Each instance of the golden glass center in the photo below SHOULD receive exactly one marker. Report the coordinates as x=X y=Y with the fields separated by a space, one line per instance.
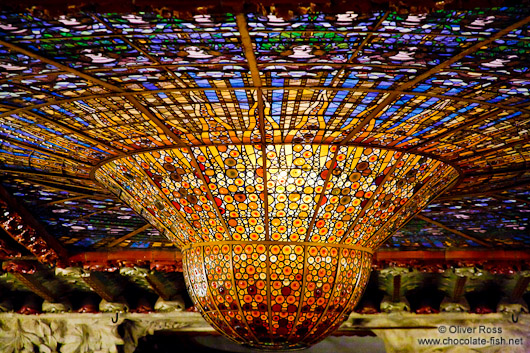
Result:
x=277 y=240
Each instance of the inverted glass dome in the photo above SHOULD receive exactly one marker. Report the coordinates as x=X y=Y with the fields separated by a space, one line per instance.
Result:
x=277 y=153
x=277 y=240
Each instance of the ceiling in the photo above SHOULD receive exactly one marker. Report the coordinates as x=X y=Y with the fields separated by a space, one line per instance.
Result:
x=80 y=88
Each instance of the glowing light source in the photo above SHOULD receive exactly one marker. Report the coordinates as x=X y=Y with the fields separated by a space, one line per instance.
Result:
x=277 y=240
x=82 y=90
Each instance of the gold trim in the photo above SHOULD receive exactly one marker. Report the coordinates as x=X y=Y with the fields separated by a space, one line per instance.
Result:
x=453 y=164
x=265 y=242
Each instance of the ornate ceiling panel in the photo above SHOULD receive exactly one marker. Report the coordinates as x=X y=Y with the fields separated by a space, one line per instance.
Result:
x=81 y=88
x=221 y=97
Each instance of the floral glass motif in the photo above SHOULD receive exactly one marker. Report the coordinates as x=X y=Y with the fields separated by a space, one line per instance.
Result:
x=277 y=240
x=335 y=131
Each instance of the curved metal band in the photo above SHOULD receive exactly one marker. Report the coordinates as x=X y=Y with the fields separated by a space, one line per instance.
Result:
x=257 y=242
x=357 y=145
